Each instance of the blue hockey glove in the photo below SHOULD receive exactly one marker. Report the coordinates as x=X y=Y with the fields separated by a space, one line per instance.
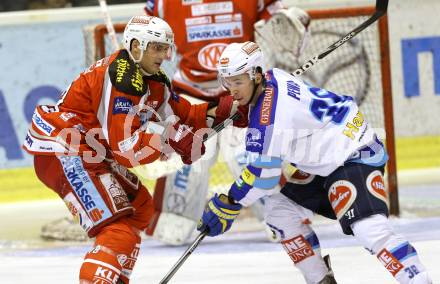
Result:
x=218 y=215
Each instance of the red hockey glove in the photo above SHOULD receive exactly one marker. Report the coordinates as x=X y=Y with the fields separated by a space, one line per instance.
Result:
x=226 y=109
x=188 y=145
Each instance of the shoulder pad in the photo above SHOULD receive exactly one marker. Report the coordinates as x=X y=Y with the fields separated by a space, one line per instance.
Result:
x=126 y=76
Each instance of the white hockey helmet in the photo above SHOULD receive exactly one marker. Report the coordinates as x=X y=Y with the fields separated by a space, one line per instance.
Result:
x=240 y=58
x=148 y=29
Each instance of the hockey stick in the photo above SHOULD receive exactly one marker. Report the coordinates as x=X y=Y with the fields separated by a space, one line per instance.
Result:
x=219 y=127
x=182 y=259
x=109 y=24
x=381 y=9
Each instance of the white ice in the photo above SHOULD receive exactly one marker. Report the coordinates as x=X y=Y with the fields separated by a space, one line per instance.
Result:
x=244 y=257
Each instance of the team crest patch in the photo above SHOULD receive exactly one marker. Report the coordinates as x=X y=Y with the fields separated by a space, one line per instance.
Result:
x=341 y=195
x=376 y=186
x=209 y=55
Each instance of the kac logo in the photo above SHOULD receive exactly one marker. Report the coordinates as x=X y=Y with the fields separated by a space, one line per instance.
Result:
x=210 y=54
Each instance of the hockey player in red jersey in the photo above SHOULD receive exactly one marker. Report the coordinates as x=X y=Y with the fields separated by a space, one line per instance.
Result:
x=117 y=114
x=203 y=29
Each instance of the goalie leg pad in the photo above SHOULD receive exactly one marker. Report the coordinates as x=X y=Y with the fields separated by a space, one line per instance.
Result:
x=393 y=251
x=179 y=203
x=174 y=229
x=113 y=256
x=285 y=217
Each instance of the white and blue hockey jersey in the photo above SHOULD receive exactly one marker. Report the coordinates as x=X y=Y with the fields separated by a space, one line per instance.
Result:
x=312 y=128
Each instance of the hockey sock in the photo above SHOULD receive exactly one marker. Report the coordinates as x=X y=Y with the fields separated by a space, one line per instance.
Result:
x=114 y=255
x=305 y=252
x=395 y=253
x=100 y=266
x=285 y=219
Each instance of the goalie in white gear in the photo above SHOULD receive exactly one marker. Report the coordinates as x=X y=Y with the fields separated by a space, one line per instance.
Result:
x=178 y=195
x=340 y=162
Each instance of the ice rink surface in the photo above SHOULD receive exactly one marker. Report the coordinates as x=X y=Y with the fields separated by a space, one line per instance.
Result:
x=236 y=257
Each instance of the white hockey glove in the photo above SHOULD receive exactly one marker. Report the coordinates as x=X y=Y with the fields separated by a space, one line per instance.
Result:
x=285 y=32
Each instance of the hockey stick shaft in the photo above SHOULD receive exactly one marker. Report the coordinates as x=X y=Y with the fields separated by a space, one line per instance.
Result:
x=219 y=127
x=109 y=24
x=381 y=9
x=182 y=259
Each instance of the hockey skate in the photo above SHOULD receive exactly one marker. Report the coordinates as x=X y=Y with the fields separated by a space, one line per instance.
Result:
x=329 y=277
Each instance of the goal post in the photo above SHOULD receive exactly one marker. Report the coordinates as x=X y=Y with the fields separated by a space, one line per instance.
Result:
x=360 y=68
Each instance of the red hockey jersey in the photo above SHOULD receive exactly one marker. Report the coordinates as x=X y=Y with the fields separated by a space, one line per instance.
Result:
x=105 y=114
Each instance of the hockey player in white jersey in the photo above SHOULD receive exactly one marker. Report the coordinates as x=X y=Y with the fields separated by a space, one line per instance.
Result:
x=341 y=163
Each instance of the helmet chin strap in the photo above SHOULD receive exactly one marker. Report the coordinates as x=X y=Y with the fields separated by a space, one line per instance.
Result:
x=253 y=98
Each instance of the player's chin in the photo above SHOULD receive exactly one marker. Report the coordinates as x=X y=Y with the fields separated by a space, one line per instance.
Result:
x=155 y=68
x=242 y=101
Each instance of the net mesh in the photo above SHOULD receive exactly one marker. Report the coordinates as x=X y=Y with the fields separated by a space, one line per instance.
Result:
x=352 y=69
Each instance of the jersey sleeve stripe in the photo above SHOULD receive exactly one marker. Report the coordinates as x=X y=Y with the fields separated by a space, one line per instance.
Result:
x=267 y=162
x=266 y=183
x=103 y=108
x=257 y=181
